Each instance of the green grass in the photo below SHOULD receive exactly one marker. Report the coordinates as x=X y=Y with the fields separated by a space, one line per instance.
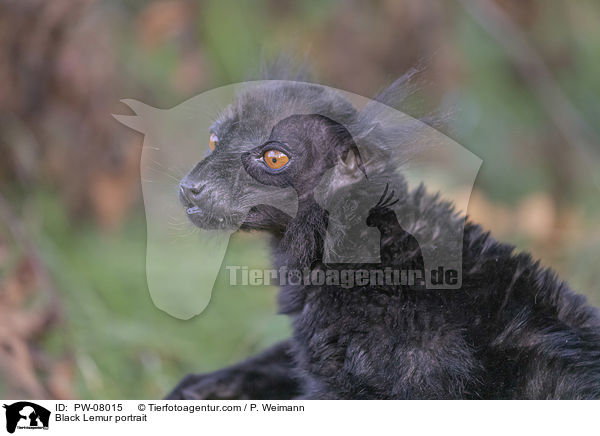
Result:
x=124 y=346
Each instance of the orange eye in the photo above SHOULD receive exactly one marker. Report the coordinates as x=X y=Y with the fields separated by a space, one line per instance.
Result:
x=275 y=159
x=213 y=140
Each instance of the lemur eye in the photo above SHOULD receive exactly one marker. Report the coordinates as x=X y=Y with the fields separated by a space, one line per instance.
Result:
x=213 y=140
x=275 y=159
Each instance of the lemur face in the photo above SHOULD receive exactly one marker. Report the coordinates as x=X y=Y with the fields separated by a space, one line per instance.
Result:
x=269 y=149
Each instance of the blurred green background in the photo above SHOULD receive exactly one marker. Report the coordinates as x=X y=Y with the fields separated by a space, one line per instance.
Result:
x=519 y=79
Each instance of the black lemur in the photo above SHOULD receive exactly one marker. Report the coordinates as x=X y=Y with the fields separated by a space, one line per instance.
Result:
x=512 y=331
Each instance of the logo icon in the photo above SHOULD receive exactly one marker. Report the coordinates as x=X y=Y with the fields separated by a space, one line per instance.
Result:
x=26 y=415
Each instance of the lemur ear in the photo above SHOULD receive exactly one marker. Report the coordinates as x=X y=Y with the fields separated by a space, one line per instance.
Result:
x=351 y=161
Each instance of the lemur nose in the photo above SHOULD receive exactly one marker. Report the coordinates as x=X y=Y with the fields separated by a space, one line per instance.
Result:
x=190 y=193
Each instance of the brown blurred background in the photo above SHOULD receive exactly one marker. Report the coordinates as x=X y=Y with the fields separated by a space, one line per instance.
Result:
x=518 y=77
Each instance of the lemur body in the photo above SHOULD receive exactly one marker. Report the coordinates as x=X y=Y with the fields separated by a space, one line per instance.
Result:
x=513 y=330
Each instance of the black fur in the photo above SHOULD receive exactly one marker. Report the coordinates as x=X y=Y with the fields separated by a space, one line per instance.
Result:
x=513 y=330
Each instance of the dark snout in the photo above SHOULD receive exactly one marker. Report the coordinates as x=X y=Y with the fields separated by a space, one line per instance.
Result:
x=190 y=193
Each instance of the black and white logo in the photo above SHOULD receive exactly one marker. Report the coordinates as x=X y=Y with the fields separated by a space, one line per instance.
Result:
x=26 y=415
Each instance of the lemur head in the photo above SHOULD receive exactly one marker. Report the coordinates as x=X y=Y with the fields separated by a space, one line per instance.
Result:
x=272 y=142
x=283 y=143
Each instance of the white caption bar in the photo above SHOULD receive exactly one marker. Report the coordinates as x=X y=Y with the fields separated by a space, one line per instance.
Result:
x=297 y=417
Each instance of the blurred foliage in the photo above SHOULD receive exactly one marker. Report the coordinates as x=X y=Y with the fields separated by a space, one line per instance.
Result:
x=72 y=231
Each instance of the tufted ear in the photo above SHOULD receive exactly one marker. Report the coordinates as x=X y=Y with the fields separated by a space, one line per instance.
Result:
x=403 y=87
x=350 y=161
